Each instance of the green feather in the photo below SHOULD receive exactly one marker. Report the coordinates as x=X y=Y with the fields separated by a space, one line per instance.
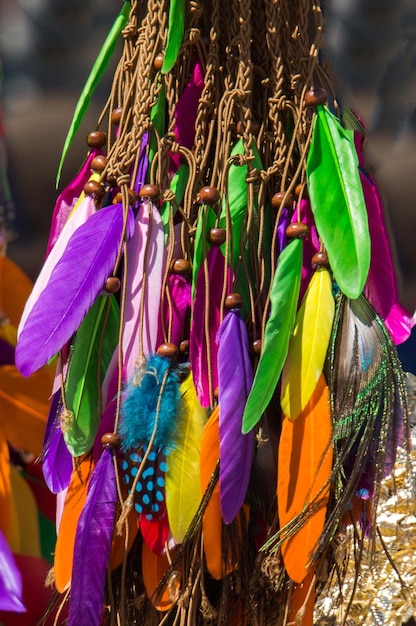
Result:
x=284 y=298
x=93 y=79
x=178 y=186
x=175 y=34
x=206 y=221
x=337 y=202
x=157 y=117
x=94 y=345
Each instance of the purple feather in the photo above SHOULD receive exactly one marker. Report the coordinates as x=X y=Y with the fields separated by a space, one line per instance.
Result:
x=143 y=164
x=56 y=458
x=75 y=282
x=283 y=223
x=93 y=545
x=235 y=377
x=68 y=198
x=10 y=580
x=6 y=353
x=180 y=295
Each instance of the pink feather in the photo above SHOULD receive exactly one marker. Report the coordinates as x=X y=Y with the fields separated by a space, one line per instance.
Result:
x=145 y=254
x=311 y=243
x=178 y=312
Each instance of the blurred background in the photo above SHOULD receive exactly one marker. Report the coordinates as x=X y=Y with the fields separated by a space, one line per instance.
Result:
x=48 y=47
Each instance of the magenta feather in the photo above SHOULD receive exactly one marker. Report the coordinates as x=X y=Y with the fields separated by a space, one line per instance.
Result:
x=235 y=377
x=10 y=580
x=83 y=212
x=185 y=113
x=107 y=420
x=381 y=288
x=56 y=458
x=75 y=282
x=203 y=349
x=145 y=255
x=311 y=243
x=67 y=199
x=176 y=313
x=93 y=545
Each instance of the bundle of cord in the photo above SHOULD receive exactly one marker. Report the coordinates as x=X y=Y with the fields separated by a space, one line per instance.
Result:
x=221 y=296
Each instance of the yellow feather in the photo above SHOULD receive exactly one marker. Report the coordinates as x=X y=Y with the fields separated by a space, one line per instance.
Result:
x=25 y=513
x=183 y=488
x=95 y=176
x=8 y=332
x=308 y=345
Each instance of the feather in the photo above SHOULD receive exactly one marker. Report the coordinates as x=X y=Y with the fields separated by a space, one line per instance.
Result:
x=24 y=406
x=145 y=256
x=15 y=288
x=155 y=530
x=279 y=327
x=74 y=503
x=206 y=221
x=311 y=243
x=143 y=166
x=212 y=518
x=381 y=288
x=6 y=352
x=178 y=187
x=83 y=212
x=158 y=120
x=183 y=490
x=25 y=516
x=68 y=198
x=93 y=545
x=10 y=581
x=5 y=488
x=302 y=602
x=303 y=477
x=235 y=377
x=176 y=309
x=175 y=34
x=337 y=202
x=93 y=79
x=56 y=458
x=63 y=304
x=308 y=345
x=205 y=323
x=94 y=346
x=154 y=567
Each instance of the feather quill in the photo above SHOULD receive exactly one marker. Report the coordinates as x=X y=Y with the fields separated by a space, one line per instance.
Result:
x=94 y=346
x=235 y=377
x=63 y=304
x=93 y=545
x=56 y=458
x=279 y=327
x=337 y=201
x=308 y=345
x=145 y=255
x=10 y=581
x=175 y=34
x=93 y=79
x=183 y=490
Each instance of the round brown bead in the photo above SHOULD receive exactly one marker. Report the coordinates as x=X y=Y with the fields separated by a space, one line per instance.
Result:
x=96 y=139
x=112 y=284
x=320 y=259
x=152 y=192
x=98 y=163
x=257 y=346
x=158 y=61
x=184 y=346
x=254 y=127
x=217 y=236
x=233 y=301
x=181 y=266
x=301 y=188
x=313 y=97
x=278 y=198
x=111 y=440
x=169 y=350
x=116 y=115
x=94 y=188
x=209 y=195
x=297 y=230
x=216 y=393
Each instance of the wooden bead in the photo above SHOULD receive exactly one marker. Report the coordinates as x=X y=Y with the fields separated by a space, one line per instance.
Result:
x=184 y=346
x=313 y=97
x=233 y=301
x=96 y=139
x=297 y=230
x=98 y=163
x=257 y=346
x=301 y=188
x=112 y=284
x=116 y=115
x=217 y=236
x=158 y=62
x=320 y=259
x=111 y=440
x=152 y=192
x=216 y=393
x=118 y=198
x=209 y=195
x=94 y=188
x=278 y=198
x=181 y=266
x=169 y=350
x=254 y=127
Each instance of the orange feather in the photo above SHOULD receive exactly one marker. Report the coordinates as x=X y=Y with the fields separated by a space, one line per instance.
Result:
x=302 y=602
x=119 y=547
x=304 y=468
x=154 y=567
x=15 y=288
x=5 y=488
x=74 y=502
